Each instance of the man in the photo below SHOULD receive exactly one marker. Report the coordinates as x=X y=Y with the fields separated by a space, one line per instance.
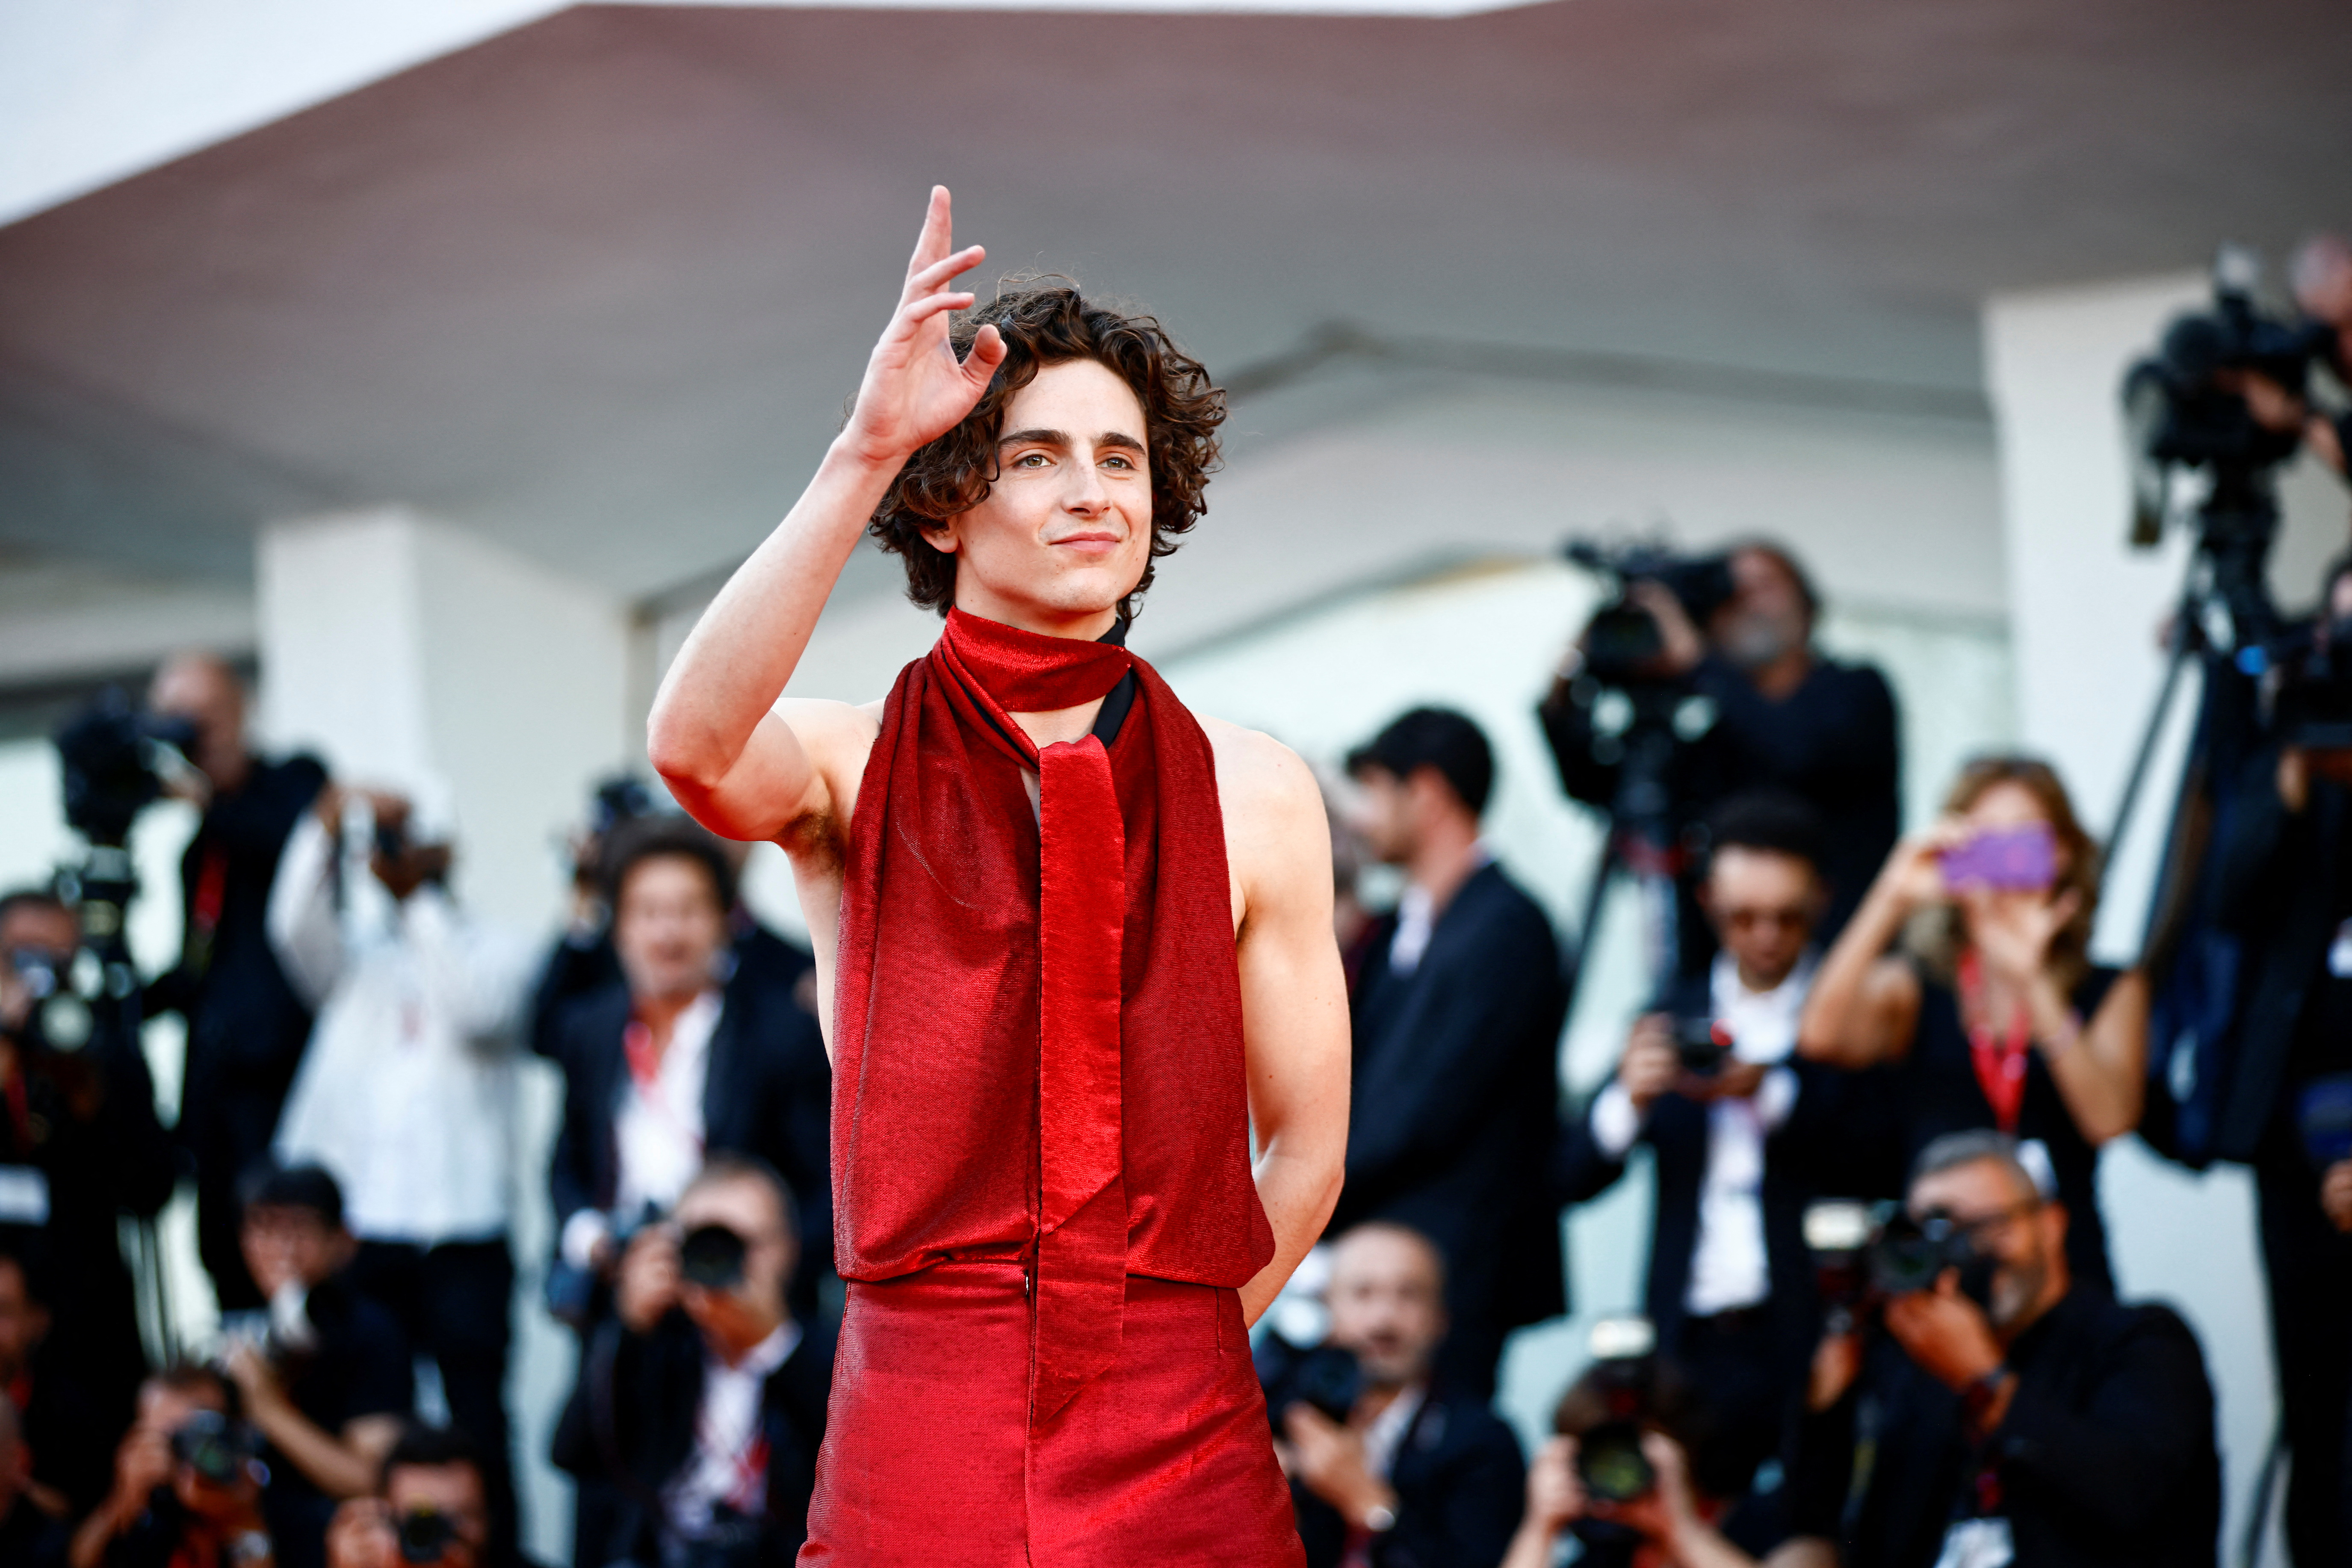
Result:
x=1743 y=1135
x=246 y=1026
x=65 y=1438
x=407 y=1092
x=1422 y=1474
x=330 y=1383
x=1075 y=948
x=1784 y=718
x=431 y=1509
x=2285 y=889
x=187 y=1490
x=683 y=1056
x=704 y=1399
x=1457 y=1012
x=80 y=1147
x=2019 y=1417
x=30 y=1535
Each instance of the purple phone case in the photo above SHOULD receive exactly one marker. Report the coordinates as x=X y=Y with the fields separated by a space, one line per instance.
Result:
x=2022 y=859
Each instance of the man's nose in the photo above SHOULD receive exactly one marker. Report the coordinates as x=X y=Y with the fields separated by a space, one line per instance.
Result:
x=1088 y=495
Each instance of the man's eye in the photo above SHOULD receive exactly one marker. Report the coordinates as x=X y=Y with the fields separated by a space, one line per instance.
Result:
x=1030 y=460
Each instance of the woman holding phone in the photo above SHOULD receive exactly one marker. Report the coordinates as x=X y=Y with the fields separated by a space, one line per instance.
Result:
x=1989 y=1010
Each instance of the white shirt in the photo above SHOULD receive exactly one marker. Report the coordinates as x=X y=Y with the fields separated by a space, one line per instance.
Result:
x=726 y=1467
x=1417 y=915
x=1385 y=1436
x=1729 y=1265
x=658 y=1134
x=406 y=1090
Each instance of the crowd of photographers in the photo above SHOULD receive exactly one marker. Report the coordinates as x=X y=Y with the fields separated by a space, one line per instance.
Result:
x=1879 y=1323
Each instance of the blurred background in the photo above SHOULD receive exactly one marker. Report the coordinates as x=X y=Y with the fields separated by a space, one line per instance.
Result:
x=437 y=360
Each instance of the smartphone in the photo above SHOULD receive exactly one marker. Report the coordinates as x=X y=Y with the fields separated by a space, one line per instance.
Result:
x=2006 y=860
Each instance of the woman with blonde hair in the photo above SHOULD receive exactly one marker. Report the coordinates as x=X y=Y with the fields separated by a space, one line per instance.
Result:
x=1967 y=971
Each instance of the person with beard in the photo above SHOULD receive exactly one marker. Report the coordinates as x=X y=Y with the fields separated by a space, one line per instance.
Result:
x=2010 y=1412
x=1785 y=718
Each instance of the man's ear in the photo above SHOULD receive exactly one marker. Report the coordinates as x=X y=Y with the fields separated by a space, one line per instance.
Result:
x=941 y=536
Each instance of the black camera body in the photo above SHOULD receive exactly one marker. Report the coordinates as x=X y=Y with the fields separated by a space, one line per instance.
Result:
x=1622 y=641
x=711 y=1255
x=1701 y=1046
x=106 y=753
x=1864 y=1253
x=59 y=1019
x=424 y=1534
x=215 y=1446
x=1325 y=1377
x=1623 y=1376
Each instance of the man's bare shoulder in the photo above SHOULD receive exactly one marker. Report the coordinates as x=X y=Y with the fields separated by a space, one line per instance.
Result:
x=1266 y=790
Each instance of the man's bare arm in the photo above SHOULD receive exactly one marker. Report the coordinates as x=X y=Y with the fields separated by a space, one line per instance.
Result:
x=1294 y=996
x=741 y=768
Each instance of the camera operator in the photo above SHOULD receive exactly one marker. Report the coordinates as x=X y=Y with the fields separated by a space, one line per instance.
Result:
x=329 y=1383
x=431 y=1509
x=408 y=1091
x=1413 y=1471
x=1994 y=1014
x=247 y=1024
x=2321 y=275
x=1456 y=1017
x=2010 y=1412
x=673 y=1062
x=2285 y=888
x=1743 y=1136
x=80 y=1147
x=1785 y=718
x=68 y=1436
x=187 y=1488
x=702 y=1403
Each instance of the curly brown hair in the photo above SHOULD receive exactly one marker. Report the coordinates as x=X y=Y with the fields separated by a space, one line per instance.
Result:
x=1044 y=321
x=1937 y=937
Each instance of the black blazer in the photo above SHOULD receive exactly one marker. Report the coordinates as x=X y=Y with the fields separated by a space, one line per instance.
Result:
x=1456 y=1094
x=631 y=1424
x=1460 y=1484
x=1839 y=1139
x=768 y=1094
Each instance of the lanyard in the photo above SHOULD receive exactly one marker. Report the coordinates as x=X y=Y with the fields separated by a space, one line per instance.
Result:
x=1999 y=1060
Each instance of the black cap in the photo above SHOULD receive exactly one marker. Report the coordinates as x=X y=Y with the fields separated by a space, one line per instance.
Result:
x=1436 y=738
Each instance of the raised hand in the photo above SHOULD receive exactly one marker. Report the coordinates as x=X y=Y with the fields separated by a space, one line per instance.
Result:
x=2011 y=932
x=915 y=388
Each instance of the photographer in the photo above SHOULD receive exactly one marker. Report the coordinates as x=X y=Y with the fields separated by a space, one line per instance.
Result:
x=702 y=1403
x=1994 y=1014
x=673 y=1061
x=2286 y=888
x=187 y=1488
x=1456 y=1017
x=1784 y=718
x=247 y=1024
x=431 y=1509
x=2010 y=1412
x=1742 y=1135
x=408 y=1091
x=80 y=1147
x=328 y=1382
x=1412 y=1473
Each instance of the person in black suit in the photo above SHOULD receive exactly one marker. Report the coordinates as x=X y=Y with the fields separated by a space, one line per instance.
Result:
x=247 y=1024
x=688 y=1053
x=1422 y=1474
x=1744 y=1137
x=702 y=1403
x=1457 y=1013
x=1783 y=717
x=2286 y=888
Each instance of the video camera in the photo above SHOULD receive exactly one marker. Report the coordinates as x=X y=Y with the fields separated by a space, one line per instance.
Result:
x=1864 y=1253
x=1622 y=641
x=113 y=759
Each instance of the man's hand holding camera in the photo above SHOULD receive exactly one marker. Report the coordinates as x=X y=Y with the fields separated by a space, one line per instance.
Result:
x=1652 y=1066
x=1951 y=1340
x=1330 y=1459
x=648 y=1284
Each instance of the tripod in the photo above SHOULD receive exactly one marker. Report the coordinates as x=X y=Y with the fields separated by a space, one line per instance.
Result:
x=1638 y=840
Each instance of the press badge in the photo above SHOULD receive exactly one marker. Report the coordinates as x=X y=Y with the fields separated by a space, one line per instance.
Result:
x=24 y=1195
x=1977 y=1543
x=2339 y=953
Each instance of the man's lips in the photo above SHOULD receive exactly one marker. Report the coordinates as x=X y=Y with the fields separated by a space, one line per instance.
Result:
x=1093 y=539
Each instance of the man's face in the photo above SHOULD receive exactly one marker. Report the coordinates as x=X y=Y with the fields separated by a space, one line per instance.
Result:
x=668 y=927
x=24 y=1323
x=1379 y=809
x=207 y=693
x=453 y=1491
x=1387 y=1305
x=289 y=1246
x=1766 y=618
x=1762 y=906
x=1065 y=530
x=2009 y=1223
x=741 y=1316
x=31 y=928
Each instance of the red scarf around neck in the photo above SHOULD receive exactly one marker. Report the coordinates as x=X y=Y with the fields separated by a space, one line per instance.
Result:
x=1038 y=1042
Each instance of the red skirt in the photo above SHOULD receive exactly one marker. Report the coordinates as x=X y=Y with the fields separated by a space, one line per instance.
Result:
x=928 y=1458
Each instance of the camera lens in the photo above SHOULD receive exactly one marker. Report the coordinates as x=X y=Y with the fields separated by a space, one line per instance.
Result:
x=711 y=1255
x=425 y=1535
